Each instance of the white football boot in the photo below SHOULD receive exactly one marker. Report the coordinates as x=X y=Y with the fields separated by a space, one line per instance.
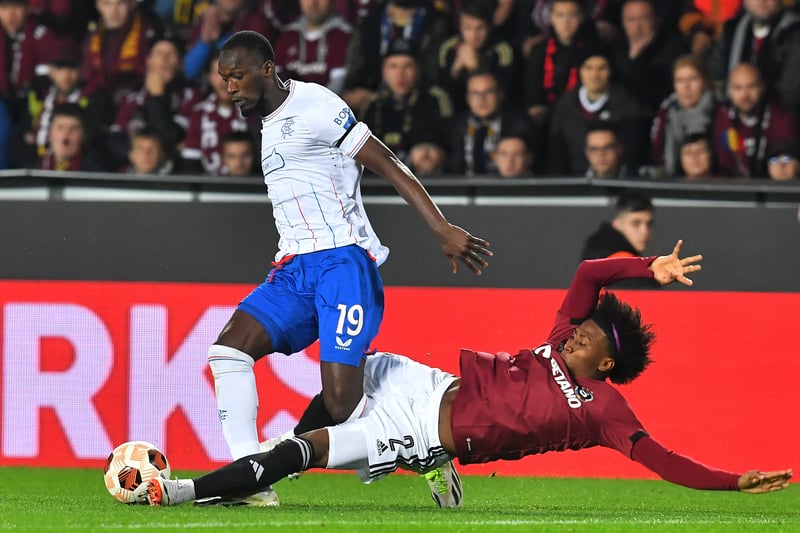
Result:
x=445 y=485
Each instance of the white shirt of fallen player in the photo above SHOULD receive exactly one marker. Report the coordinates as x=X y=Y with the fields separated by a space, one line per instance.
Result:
x=307 y=150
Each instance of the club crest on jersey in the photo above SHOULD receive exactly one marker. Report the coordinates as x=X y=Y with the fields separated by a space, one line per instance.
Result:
x=584 y=394
x=274 y=161
x=286 y=129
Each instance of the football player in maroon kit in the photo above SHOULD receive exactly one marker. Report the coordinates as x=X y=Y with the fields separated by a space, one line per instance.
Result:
x=550 y=398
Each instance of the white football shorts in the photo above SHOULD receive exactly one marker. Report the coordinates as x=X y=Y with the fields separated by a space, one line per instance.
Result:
x=400 y=428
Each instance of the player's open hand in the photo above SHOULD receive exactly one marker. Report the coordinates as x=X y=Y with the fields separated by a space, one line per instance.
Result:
x=457 y=243
x=669 y=268
x=757 y=482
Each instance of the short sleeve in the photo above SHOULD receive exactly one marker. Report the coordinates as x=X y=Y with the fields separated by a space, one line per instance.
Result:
x=334 y=124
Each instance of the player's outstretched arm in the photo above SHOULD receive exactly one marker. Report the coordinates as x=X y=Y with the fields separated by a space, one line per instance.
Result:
x=669 y=268
x=757 y=482
x=456 y=242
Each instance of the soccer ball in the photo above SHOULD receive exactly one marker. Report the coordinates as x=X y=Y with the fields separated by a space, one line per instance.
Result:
x=131 y=464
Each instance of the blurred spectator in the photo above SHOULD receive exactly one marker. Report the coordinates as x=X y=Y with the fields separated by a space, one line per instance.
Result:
x=181 y=16
x=536 y=20
x=604 y=152
x=749 y=125
x=628 y=234
x=220 y=20
x=65 y=87
x=553 y=64
x=513 y=157
x=476 y=47
x=406 y=111
x=155 y=105
x=280 y=13
x=313 y=47
x=413 y=20
x=645 y=55
x=702 y=22
x=427 y=159
x=784 y=161
x=115 y=52
x=147 y=155
x=478 y=130
x=697 y=158
x=6 y=127
x=67 y=18
x=210 y=121
x=595 y=99
x=690 y=109
x=67 y=147
x=238 y=154
x=26 y=48
x=767 y=35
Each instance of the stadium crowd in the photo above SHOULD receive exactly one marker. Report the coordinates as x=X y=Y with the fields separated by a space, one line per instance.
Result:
x=683 y=89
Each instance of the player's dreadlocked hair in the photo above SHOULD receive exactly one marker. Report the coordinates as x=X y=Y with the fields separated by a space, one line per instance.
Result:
x=253 y=42
x=628 y=339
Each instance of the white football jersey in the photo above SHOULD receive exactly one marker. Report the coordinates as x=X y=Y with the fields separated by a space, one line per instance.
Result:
x=307 y=150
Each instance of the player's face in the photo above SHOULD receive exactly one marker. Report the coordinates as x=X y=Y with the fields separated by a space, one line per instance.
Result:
x=595 y=74
x=689 y=86
x=586 y=352
x=114 y=13
x=636 y=227
x=245 y=79
x=474 y=31
x=12 y=17
x=745 y=90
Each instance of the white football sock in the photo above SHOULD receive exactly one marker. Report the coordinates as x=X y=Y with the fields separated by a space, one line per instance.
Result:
x=237 y=398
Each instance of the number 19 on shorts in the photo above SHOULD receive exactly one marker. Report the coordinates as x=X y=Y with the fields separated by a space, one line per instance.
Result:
x=354 y=318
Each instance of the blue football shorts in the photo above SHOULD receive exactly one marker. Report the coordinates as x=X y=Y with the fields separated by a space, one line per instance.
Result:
x=333 y=295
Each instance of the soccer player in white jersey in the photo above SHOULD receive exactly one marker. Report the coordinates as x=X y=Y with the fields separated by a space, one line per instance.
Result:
x=325 y=283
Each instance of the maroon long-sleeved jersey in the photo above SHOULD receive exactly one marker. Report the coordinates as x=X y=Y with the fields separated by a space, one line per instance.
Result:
x=509 y=406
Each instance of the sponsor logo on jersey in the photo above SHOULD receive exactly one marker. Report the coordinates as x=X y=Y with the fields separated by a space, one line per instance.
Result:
x=345 y=118
x=342 y=344
x=274 y=161
x=560 y=377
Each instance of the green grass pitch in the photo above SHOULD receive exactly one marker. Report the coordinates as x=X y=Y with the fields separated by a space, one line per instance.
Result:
x=39 y=499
